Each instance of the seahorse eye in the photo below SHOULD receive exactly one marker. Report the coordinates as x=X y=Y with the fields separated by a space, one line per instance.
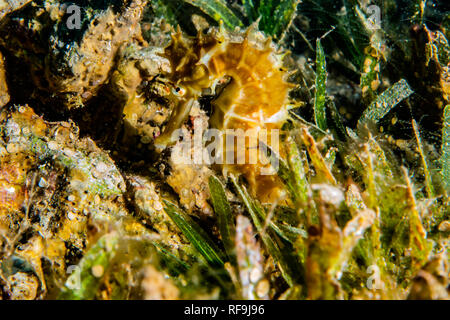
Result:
x=179 y=91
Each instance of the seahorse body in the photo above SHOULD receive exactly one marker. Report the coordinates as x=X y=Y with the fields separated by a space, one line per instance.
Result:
x=254 y=98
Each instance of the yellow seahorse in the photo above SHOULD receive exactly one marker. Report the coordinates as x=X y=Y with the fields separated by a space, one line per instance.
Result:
x=255 y=97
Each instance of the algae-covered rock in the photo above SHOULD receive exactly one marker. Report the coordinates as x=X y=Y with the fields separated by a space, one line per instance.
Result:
x=55 y=191
x=68 y=59
x=141 y=96
x=9 y=6
x=189 y=173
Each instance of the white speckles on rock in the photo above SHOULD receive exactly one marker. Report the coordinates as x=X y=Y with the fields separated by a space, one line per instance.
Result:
x=262 y=288
x=13 y=128
x=10 y=190
x=157 y=206
x=444 y=226
x=97 y=199
x=42 y=183
x=3 y=151
x=52 y=145
x=101 y=167
x=184 y=192
x=25 y=131
x=97 y=271
x=69 y=152
x=11 y=148
x=255 y=275
x=71 y=216
x=329 y=194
